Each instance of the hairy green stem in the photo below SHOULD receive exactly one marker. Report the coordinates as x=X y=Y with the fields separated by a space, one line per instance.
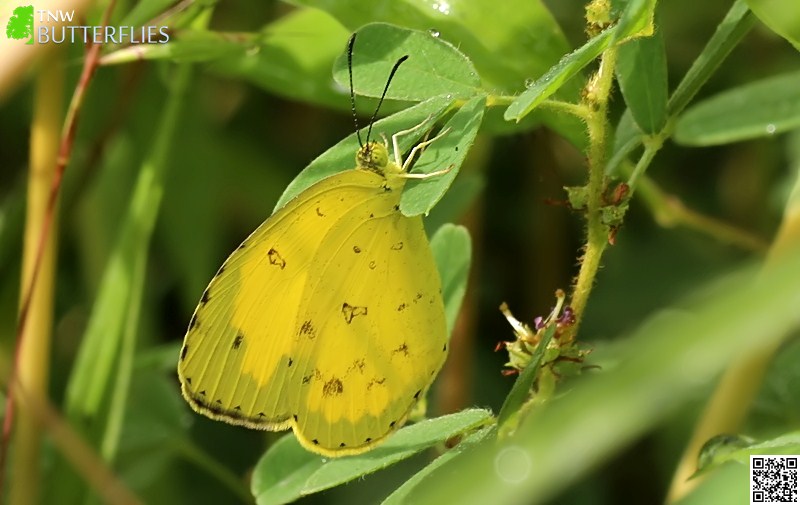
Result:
x=597 y=97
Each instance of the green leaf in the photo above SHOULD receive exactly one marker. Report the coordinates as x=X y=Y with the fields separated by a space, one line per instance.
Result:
x=627 y=137
x=738 y=21
x=287 y=472
x=637 y=17
x=781 y=16
x=642 y=75
x=401 y=495
x=434 y=67
x=788 y=443
x=521 y=389
x=557 y=76
x=760 y=109
x=447 y=152
x=293 y=58
x=452 y=250
x=342 y=156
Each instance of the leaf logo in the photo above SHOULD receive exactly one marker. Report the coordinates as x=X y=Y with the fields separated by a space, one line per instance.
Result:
x=20 y=24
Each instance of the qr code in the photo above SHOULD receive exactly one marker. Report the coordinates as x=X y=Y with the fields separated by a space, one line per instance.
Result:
x=773 y=479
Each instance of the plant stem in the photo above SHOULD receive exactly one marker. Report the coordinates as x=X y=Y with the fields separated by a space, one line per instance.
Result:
x=33 y=360
x=597 y=97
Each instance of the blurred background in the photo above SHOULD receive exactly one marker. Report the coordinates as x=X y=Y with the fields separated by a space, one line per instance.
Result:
x=240 y=141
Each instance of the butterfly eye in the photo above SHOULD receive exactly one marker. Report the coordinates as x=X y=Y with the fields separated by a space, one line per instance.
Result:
x=373 y=156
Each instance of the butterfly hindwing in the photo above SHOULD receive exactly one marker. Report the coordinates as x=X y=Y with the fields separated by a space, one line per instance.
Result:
x=374 y=304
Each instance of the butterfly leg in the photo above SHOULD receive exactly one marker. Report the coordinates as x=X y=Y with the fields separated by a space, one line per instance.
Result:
x=396 y=147
x=417 y=148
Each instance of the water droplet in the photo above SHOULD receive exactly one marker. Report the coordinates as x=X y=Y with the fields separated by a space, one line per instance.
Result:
x=434 y=32
x=442 y=6
x=770 y=129
x=529 y=82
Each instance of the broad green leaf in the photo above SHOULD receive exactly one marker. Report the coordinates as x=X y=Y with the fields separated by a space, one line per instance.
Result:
x=434 y=67
x=781 y=16
x=446 y=152
x=464 y=447
x=342 y=156
x=758 y=109
x=287 y=471
x=662 y=367
x=642 y=75
x=557 y=76
x=738 y=21
x=452 y=250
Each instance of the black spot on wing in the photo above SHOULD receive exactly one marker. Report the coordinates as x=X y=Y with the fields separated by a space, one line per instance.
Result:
x=416 y=395
x=307 y=330
x=333 y=387
x=391 y=425
x=189 y=381
x=401 y=307
x=237 y=341
x=351 y=311
x=315 y=441
x=356 y=249
x=290 y=362
x=319 y=213
x=205 y=298
x=242 y=245
x=276 y=259
x=220 y=270
x=368 y=440
x=402 y=349
x=193 y=322
x=342 y=444
x=184 y=351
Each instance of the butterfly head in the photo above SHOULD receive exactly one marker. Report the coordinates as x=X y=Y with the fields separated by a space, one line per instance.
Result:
x=372 y=156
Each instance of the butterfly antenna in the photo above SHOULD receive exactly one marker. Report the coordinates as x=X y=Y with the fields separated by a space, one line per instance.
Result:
x=352 y=93
x=383 y=95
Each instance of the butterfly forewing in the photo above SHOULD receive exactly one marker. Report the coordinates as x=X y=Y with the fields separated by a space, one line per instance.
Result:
x=234 y=362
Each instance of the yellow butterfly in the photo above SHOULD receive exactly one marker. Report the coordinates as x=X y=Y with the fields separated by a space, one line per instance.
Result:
x=328 y=319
